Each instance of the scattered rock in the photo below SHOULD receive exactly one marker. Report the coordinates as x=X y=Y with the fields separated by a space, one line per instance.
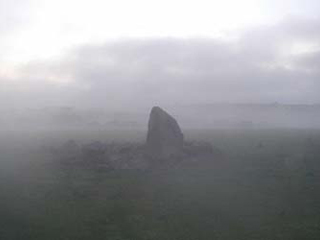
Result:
x=69 y=151
x=165 y=148
x=128 y=156
x=94 y=152
x=201 y=152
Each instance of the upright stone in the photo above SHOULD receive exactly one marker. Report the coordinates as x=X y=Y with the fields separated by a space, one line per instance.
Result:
x=164 y=137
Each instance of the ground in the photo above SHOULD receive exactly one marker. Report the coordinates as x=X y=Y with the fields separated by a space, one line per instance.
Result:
x=266 y=188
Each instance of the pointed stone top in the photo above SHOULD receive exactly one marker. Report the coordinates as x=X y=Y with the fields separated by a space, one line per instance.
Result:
x=164 y=137
x=158 y=112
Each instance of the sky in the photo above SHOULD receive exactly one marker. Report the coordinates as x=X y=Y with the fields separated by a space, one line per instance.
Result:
x=116 y=53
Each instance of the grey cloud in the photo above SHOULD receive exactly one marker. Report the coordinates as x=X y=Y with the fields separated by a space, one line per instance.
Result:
x=136 y=72
x=309 y=61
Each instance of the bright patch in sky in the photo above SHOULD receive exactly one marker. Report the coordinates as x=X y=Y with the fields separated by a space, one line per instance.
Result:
x=56 y=26
x=304 y=47
x=51 y=27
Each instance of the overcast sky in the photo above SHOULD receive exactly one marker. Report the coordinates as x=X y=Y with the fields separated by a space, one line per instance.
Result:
x=114 y=53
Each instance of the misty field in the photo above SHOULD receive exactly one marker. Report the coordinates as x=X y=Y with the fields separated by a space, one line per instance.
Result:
x=266 y=188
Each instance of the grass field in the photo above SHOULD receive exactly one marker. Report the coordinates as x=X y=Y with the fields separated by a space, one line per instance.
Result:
x=268 y=188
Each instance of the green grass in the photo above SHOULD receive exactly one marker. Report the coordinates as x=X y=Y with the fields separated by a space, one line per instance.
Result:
x=263 y=193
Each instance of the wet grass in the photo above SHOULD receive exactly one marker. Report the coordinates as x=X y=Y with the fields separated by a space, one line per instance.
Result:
x=269 y=189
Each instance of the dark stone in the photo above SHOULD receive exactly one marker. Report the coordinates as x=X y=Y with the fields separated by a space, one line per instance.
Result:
x=164 y=137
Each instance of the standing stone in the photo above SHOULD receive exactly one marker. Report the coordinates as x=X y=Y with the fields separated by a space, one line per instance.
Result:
x=164 y=137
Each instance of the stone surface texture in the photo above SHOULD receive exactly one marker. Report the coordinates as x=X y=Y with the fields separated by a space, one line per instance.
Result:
x=164 y=138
